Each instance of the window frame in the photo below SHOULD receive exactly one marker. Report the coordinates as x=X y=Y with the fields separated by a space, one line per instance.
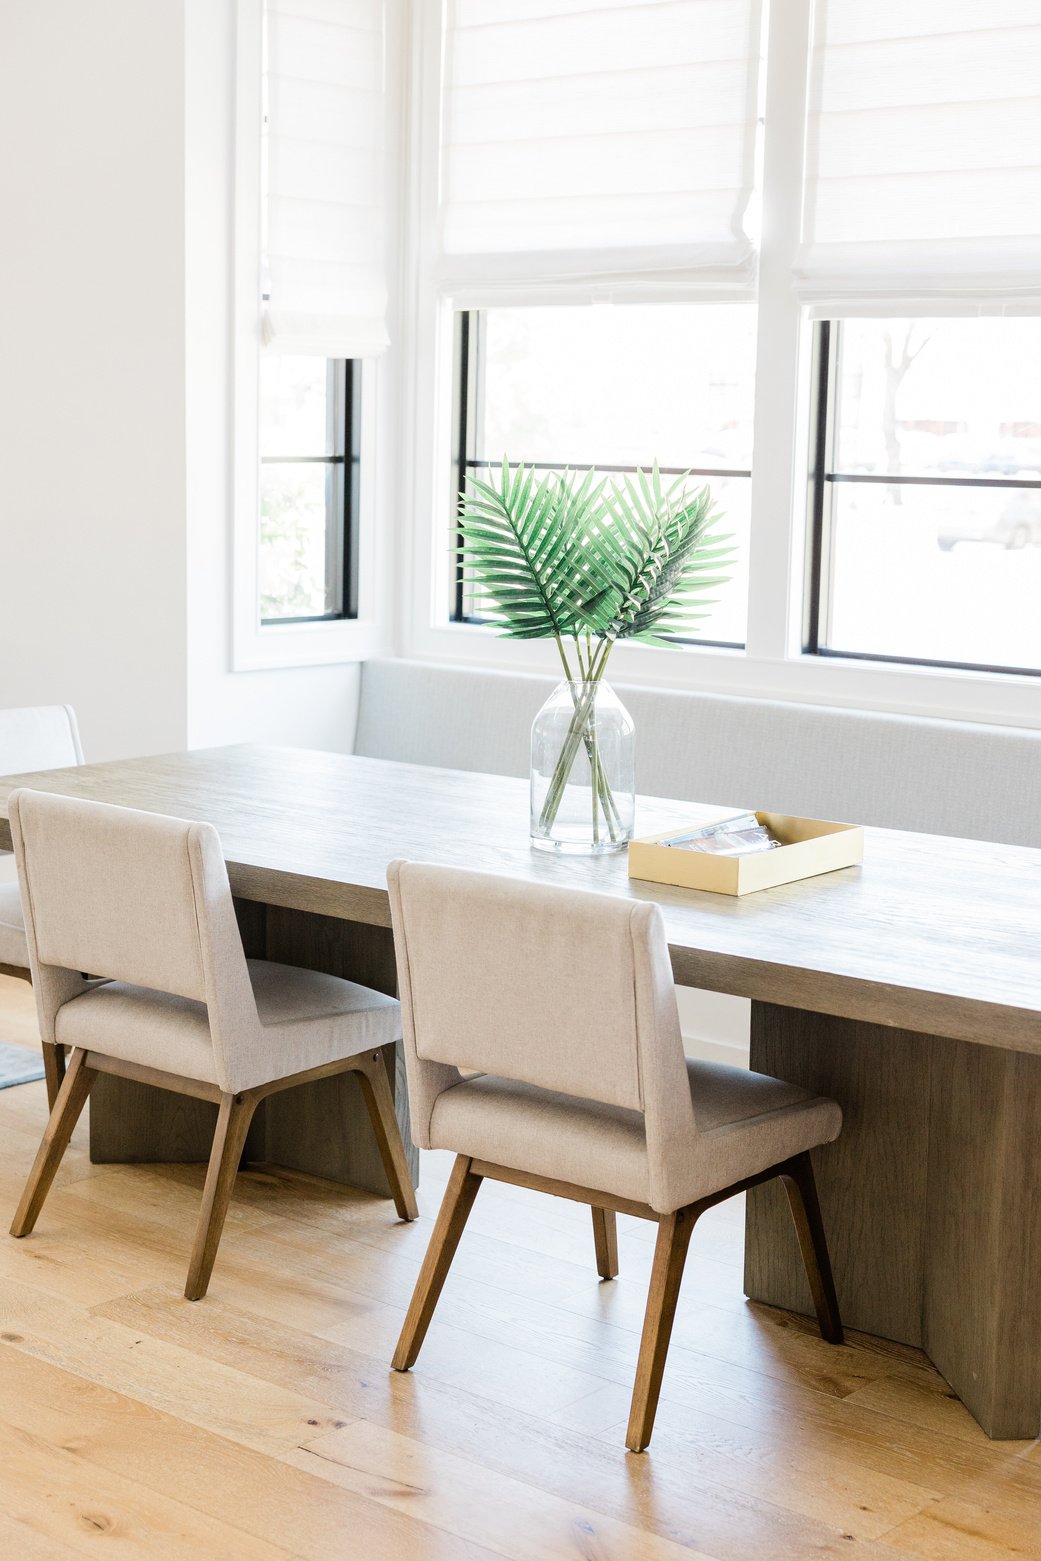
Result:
x=468 y=382
x=824 y=476
x=343 y=387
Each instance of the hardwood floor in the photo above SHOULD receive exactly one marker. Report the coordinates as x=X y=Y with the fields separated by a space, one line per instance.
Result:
x=265 y=1421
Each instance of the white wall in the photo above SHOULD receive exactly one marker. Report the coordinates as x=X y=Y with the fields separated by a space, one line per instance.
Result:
x=92 y=481
x=116 y=203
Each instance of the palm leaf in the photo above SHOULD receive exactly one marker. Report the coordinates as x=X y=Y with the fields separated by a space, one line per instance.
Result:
x=655 y=556
x=519 y=549
x=568 y=556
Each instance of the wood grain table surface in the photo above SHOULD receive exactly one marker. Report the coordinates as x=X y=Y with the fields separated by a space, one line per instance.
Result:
x=931 y=933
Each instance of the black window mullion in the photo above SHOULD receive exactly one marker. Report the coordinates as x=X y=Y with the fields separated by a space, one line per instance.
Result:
x=478 y=464
x=334 y=538
x=464 y=411
x=909 y=480
x=351 y=487
x=819 y=550
x=301 y=460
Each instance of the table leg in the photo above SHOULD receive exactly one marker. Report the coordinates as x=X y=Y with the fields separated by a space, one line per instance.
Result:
x=138 y=1124
x=321 y=1128
x=931 y=1199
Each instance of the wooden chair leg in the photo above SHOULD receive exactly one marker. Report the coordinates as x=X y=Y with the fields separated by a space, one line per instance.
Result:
x=233 y=1119
x=375 y=1088
x=53 y=1070
x=801 y=1186
x=670 y=1252
x=459 y=1196
x=605 y=1239
x=72 y=1097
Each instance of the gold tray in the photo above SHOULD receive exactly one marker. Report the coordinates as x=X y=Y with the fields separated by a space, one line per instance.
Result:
x=811 y=846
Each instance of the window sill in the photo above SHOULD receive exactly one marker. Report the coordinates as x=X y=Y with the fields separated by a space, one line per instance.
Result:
x=937 y=693
x=307 y=644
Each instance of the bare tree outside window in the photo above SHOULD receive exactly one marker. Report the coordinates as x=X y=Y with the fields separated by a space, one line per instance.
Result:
x=899 y=351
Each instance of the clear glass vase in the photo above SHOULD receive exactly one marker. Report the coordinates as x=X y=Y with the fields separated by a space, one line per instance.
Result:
x=583 y=750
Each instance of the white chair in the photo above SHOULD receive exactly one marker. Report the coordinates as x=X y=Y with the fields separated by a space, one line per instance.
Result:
x=542 y=1045
x=144 y=902
x=36 y=737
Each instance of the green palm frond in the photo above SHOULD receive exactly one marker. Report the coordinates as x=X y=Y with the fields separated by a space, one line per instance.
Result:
x=660 y=556
x=521 y=553
x=568 y=557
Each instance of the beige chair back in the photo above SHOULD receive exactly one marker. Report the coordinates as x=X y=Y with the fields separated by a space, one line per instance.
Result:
x=133 y=897
x=38 y=737
x=559 y=988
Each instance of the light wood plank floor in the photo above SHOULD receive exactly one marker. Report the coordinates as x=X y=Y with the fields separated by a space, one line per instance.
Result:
x=264 y=1422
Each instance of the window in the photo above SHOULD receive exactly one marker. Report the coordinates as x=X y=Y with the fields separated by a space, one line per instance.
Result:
x=308 y=489
x=648 y=247
x=926 y=513
x=317 y=117
x=612 y=387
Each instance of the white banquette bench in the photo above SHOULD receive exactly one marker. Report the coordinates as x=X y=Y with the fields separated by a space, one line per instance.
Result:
x=892 y=771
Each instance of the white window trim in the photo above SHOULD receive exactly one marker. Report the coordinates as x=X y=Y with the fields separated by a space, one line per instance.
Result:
x=256 y=646
x=774 y=665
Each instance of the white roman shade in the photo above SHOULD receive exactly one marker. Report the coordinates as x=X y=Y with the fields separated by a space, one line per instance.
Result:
x=324 y=179
x=923 y=157
x=576 y=136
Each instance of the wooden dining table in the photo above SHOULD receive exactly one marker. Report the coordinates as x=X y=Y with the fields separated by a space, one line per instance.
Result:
x=909 y=989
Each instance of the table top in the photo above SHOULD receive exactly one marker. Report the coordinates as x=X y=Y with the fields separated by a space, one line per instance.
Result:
x=933 y=934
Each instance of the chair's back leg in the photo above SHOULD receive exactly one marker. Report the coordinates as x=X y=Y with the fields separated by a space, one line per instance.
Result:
x=53 y=1070
x=801 y=1186
x=605 y=1239
x=233 y=1119
x=670 y=1253
x=53 y=1055
x=379 y=1102
x=459 y=1196
x=71 y=1098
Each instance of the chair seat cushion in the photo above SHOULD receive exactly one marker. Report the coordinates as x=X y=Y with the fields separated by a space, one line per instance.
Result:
x=307 y=1019
x=139 y=1025
x=287 y=994
x=13 y=948
x=748 y=1123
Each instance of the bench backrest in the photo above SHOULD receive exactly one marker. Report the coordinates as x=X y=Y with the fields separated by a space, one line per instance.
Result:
x=891 y=771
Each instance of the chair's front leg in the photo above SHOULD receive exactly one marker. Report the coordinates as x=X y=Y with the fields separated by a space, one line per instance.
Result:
x=670 y=1254
x=233 y=1119
x=71 y=1098
x=801 y=1186
x=458 y=1200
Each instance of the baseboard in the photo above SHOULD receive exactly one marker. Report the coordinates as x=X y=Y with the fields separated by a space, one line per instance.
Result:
x=702 y=1050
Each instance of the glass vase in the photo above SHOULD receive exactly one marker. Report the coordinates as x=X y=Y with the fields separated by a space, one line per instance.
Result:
x=583 y=752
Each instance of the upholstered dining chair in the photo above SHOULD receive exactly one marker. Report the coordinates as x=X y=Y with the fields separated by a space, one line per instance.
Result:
x=33 y=737
x=144 y=903
x=542 y=1045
